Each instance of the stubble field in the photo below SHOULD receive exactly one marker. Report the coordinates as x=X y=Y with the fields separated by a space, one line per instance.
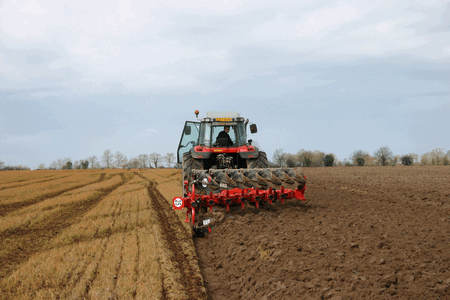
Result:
x=375 y=232
x=100 y=234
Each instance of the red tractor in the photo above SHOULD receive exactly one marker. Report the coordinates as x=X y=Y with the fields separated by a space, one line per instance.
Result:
x=221 y=168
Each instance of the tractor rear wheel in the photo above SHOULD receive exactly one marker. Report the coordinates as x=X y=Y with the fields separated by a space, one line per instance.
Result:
x=188 y=164
x=258 y=163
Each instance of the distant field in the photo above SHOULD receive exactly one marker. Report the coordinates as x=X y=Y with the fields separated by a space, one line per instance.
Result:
x=95 y=234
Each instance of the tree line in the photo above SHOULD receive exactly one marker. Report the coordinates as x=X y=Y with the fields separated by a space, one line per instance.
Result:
x=381 y=157
x=303 y=158
x=108 y=160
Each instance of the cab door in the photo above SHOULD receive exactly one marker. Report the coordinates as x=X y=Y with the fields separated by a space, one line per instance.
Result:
x=189 y=138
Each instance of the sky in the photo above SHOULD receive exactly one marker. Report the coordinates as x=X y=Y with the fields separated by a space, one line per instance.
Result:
x=80 y=77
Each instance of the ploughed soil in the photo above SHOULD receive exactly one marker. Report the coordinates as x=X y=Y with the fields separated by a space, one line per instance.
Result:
x=364 y=232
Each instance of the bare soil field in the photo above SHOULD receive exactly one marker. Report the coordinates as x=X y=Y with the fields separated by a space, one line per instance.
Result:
x=364 y=232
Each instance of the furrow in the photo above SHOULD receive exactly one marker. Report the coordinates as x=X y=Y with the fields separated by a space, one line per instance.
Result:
x=7 y=208
x=31 y=239
x=95 y=236
x=138 y=254
x=34 y=182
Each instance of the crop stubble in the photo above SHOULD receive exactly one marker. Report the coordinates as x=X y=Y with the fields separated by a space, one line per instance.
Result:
x=98 y=240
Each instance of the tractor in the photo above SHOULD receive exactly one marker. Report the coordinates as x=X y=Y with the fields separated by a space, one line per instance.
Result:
x=223 y=170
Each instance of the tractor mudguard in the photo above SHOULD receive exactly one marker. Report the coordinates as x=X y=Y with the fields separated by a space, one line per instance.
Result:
x=200 y=155
x=250 y=154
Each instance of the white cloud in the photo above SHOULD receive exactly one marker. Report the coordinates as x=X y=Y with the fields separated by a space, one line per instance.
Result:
x=31 y=7
x=148 y=46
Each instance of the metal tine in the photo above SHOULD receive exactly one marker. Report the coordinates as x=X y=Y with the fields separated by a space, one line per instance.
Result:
x=240 y=178
x=269 y=176
x=214 y=185
x=261 y=180
x=295 y=175
x=222 y=177
x=283 y=176
x=255 y=178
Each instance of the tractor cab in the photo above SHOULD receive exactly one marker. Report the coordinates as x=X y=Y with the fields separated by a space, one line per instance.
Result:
x=202 y=138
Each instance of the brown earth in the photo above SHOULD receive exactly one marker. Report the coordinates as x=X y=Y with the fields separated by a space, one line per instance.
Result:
x=364 y=232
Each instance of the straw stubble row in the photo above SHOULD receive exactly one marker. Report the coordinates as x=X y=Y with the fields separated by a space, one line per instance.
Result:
x=115 y=250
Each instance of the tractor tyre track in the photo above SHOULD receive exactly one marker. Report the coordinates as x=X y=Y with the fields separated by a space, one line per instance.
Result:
x=170 y=226
x=7 y=208
x=138 y=254
x=31 y=239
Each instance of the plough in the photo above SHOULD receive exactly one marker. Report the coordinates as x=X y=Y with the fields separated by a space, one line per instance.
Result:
x=227 y=198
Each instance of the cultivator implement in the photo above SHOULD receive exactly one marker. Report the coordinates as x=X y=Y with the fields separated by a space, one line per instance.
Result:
x=263 y=178
x=225 y=188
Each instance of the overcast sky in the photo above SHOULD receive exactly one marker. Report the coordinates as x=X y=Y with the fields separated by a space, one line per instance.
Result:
x=80 y=77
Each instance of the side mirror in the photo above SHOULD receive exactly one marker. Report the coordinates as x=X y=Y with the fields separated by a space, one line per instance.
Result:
x=253 y=128
x=187 y=130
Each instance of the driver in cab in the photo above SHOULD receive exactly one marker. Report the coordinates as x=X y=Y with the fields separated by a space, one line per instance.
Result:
x=223 y=139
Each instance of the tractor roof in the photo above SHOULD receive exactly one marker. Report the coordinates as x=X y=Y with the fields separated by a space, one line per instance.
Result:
x=222 y=114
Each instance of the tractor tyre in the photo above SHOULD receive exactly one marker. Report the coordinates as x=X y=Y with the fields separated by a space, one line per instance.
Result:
x=189 y=164
x=258 y=163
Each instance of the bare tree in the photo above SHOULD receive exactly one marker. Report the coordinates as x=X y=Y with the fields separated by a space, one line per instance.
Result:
x=2 y=164
x=434 y=157
x=92 y=161
x=305 y=158
x=291 y=160
x=76 y=164
x=446 y=160
x=279 y=158
x=155 y=157
x=143 y=159
x=133 y=163
x=359 y=157
x=53 y=166
x=59 y=163
x=383 y=155
x=437 y=156
x=317 y=158
x=107 y=158
x=120 y=160
x=425 y=159
x=40 y=167
x=168 y=158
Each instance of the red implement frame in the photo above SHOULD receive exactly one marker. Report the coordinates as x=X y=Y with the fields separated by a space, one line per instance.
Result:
x=226 y=198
